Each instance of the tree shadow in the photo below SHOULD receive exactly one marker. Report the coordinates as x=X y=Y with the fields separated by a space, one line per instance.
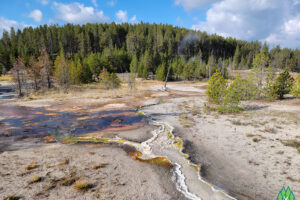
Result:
x=255 y=107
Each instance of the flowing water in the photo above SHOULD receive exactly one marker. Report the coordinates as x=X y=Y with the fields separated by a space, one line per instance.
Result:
x=164 y=148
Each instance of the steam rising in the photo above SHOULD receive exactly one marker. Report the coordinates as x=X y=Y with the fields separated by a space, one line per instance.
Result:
x=187 y=42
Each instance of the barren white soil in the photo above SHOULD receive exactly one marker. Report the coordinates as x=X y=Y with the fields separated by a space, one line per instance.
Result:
x=243 y=154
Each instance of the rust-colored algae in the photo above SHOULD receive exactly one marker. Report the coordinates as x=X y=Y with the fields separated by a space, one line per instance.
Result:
x=52 y=114
x=163 y=161
x=49 y=139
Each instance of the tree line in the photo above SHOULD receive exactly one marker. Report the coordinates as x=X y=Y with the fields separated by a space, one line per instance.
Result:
x=261 y=83
x=83 y=51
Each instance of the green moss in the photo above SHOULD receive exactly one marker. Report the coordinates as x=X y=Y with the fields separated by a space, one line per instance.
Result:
x=197 y=167
x=170 y=135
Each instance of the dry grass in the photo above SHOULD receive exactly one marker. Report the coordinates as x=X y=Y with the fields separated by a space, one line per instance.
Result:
x=64 y=162
x=31 y=166
x=270 y=130
x=100 y=165
x=67 y=181
x=292 y=143
x=34 y=179
x=115 y=93
x=82 y=186
x=196 y=111
x=6 y=78
x=186 y=121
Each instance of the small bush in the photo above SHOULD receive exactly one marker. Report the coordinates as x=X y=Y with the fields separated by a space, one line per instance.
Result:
x=109 y=80
x=67 y=181
x=82 y=186
x=255 y=140
x=227 y=110
x=228 y=98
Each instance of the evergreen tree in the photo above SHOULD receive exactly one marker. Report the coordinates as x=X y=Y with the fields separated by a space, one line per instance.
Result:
x=283 y=84
x=134 y=64
x=260 y=64
x=236 y=57
x=74 y=73
x=61 y=71
x=160 y=72
x=216 y=88
x=296 y=88
x=94 y=65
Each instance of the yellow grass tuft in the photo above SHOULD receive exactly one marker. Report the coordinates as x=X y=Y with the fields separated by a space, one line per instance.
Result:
x=34 y=179
x=82 y=185
x=100 y=165
x=68 y=181
x=31 y=166
x=64 y=162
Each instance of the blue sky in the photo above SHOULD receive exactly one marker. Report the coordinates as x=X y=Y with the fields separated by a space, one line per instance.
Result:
x=274 y=21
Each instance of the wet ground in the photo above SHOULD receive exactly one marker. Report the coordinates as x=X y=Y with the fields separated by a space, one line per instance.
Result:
x=22 y=122
x=6 y=91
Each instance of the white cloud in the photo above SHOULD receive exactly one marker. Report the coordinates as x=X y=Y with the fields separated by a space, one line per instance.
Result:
x=94 y=2
x=273 y=21
x=6 y=24
x=288 y=34
x=36 y=15
x=133 y=20
x=44 y=2
x=190 y=5
x=111 y=3
x=77 y=13
x=122 y=16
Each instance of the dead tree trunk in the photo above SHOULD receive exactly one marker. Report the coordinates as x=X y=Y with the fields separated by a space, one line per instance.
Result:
x=165 y=84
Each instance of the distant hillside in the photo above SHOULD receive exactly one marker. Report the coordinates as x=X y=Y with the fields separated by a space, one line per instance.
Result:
x=142 y=48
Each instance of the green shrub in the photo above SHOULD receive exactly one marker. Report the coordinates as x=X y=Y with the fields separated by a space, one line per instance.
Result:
x=161 y=72
x=234 y=93
x=216 y=88
x=109 y=80
x=296 y=89
x=283 y=84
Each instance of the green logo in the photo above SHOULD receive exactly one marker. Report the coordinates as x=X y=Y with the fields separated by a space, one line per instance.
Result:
x=286 y=194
